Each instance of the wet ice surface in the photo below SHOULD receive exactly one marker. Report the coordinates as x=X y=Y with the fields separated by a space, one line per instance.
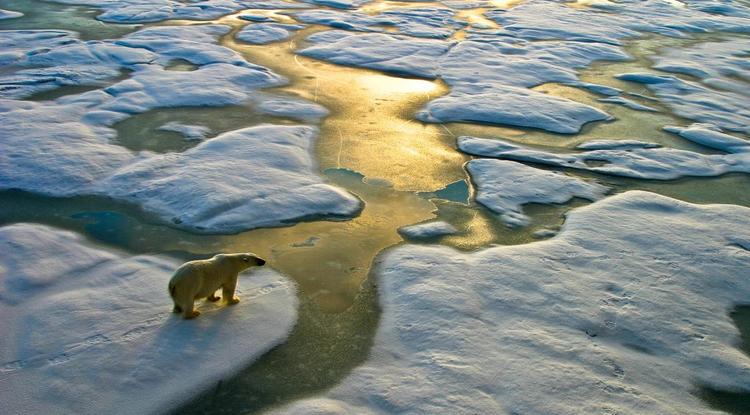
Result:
x=553 y=327
x=637 y=160
x=88 y=330
x=428 y=230
x=505 y=186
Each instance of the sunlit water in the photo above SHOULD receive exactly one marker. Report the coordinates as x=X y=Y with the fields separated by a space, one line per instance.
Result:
x=405 y=171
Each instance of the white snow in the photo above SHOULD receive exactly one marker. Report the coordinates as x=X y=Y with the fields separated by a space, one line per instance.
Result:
x=628 y=103
x=67 y=148
x=505 y=186
x=9 y=14
x=90 y=331
x=625 y=311
x=694 y=100
x=262 y=33
x=140 y=11
x=639 y=161
x=190 y=132
x=249 y=178
x=428 y=230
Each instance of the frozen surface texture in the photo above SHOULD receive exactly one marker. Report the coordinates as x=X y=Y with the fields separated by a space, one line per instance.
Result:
x=624 y=311
x=722 y=93
x=190 y=132
x=263 y=33
x=66 y=147
x=86 y=330
x=148 y=11
x=428 y=230
x=505 y=186
x=249 y=178
x=631 y=159
x=9 y=14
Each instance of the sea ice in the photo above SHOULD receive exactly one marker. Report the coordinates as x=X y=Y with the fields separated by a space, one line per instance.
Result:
x=505 y=186
x=66 y=147
x=254 y=177
x=262 y=33
x=639 y=161
x=190 y=132
x=9 y=14
x=428 y=230
x=85 y=330
x=624 y=311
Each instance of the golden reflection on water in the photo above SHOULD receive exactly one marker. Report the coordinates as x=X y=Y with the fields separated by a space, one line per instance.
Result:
x=371 y=128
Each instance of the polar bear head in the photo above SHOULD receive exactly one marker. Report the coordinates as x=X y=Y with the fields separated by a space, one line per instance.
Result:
x=244 y=261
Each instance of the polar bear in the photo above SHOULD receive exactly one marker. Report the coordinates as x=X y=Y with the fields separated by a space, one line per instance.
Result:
x=201 y=279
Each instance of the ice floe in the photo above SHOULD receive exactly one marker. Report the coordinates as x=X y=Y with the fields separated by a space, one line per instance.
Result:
x=262 y=33
x=190 y=132
x=140 y=11
x=85 y=330
x=254 y=177
x=505 y=186
x=631 y=159
x=9 y=14
x=428 y=230
x=625 y=311
x=67 y=148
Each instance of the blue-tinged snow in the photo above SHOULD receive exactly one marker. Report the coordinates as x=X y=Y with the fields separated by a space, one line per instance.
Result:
x=426 y=22
x=149 y=11
x=428 y=230
x=188 y=131
x=624 y=311
x=254 y=177
x=638 y=161
x=9 y=14
x=262 y=33
x=67 y=148
x=505 y=186
x=90 y=331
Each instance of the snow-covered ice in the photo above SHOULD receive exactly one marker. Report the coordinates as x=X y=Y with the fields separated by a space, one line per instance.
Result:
x=82 y=158
x=628 y=103
x=9 y=14
x=625 y=311
x=428 y=230
x=641 y=161
x=262 y=33
x=243 y=179
x=190 y=132
x=90 y=331
x=505 y=186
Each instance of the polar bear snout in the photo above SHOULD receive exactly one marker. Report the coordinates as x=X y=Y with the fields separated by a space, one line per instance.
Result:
x=260 y=261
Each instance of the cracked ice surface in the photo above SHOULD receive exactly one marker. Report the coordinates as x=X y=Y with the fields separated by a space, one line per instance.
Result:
x=86 y=330
x=644 y=161
x=554 y=327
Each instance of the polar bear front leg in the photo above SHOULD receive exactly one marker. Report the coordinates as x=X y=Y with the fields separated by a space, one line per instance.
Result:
x=227 y=291
x=213 y=298
x=189 y=313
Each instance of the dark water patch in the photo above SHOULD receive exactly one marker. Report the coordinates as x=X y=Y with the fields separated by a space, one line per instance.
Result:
x=43 y=15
